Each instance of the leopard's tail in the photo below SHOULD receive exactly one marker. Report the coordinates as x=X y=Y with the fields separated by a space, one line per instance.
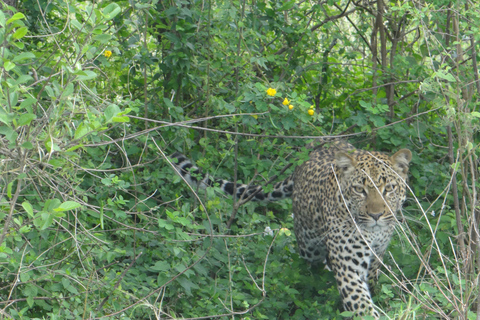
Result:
x=192 y=175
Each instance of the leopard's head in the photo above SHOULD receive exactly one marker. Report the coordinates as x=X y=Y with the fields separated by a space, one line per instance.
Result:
x=372 y=185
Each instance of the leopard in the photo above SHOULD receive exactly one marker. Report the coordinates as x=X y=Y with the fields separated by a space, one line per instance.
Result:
x=345 y=204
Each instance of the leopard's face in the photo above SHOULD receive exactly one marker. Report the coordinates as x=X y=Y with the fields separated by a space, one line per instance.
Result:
x=372 y=188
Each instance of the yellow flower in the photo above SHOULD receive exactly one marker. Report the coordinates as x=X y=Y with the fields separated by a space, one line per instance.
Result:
x=286 y=102
x=311 y=112
x=107 y=53
x=290 y=107
x=311 y=107
x=271 y=92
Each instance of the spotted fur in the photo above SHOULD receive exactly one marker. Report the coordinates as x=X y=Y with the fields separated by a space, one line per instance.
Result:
x=345 y=203
x=191 y=174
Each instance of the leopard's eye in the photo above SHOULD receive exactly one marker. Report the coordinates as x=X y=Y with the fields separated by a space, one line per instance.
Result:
x=359 y=189
x=390 y=187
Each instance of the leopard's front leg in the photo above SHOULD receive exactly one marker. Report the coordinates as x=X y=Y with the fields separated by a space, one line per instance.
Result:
x=350 y=261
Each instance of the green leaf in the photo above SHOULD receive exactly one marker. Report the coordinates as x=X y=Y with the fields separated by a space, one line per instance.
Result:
x=51 y=204
x=287 y=5
x=50 y=145
x=9 y=189
x=160 y=266
x=72 y=289
x=168 y=103
x=75 y=147
x=25 y=229
x=165 y=224
x=50 y=91
x=20 y=33
x=24 y=276
x=19 y=45
x=82 y=130
x=140 y=6
x=9 y=133
x=79 y=72
x=6 y=249
x=378 y=121
x=47 y=220
x=6 y=117
x=77 y=25
x=89 y=75
x=13 y=98
x=364 y=104
x=23 y=78
x=346 y=314
x=25 y=119
x=102 y=38
x=9 y=65
x=111 y=111
x=2 y=19
x=67 y=91
x=28 y=208
x=23 y=56
x=121 y=119
x=187 y=284
x=444 y=75
x=27 y=145
x=30 y=301
x=27 y=103
x=16 y=16
x=30 y=290
x=57 y=163
x=68 y=205
x=68 y=285
x=111 y=11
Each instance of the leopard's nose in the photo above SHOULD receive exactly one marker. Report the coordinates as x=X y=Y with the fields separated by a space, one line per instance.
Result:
x=375 y=216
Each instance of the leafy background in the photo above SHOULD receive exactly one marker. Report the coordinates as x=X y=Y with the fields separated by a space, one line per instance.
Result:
x=95 y=95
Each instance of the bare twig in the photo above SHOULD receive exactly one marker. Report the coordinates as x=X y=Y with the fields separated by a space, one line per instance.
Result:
x=119 y=281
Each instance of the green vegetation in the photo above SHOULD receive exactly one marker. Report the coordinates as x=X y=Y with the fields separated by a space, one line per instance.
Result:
x=94 y=95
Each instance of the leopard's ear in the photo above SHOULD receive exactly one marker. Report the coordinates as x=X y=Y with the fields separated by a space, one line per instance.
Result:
x=345 y=163
x=400 y=160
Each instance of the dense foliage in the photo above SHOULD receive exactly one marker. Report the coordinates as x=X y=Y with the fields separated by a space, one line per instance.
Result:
x=94 y=96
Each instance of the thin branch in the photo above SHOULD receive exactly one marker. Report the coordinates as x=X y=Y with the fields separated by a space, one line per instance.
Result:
x=340 y=15
x=119 y=280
